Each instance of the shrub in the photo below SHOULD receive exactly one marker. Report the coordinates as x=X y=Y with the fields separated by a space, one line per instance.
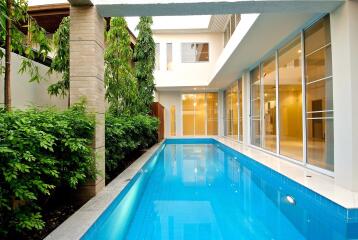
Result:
x=125 y=135
x=39 y=151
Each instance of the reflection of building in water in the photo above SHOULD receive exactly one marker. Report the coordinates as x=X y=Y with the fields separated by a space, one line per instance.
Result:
x=182 y=219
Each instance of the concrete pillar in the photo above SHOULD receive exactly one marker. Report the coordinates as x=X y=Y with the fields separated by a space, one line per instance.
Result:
x=246 y=107
x=344 y=35
x=221 y=113
x=86 y=80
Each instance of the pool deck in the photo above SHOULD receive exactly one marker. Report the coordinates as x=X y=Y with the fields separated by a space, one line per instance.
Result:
x=318 y=182
x=77 y=224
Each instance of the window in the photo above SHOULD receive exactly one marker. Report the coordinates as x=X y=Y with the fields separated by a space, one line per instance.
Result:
x=195 y=52
x=231 y=116
x=241 y=118
x=188 y=103
x=232 y=24
x=212 y=113
x=255 y=115
x=200 y=114
x=319 y=95
x=172 y=121
x=237 y=19
x=169 y=56
x=157 y=56
x=308 y=55
x=290 y=96
x=269 y=101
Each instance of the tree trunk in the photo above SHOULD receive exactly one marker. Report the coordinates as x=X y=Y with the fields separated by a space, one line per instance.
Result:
x=7 y=86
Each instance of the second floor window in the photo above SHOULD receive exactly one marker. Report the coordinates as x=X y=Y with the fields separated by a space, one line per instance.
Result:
x=169 y=56
x=157 y=56
x=194 y=52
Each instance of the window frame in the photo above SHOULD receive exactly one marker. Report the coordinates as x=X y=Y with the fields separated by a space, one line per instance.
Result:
x=196 y=43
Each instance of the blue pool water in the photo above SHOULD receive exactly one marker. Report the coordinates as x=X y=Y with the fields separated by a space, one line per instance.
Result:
x=201 y=189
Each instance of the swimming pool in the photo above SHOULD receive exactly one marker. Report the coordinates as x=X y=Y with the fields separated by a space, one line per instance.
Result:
x=202 y=189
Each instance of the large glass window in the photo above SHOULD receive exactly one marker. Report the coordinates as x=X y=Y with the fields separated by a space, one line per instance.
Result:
x=172 y=121
x=255 y=112
x=200 y=114
x=235 y=111
x=212 y=113
x=319 y=95
x=269 y=97
x=290 y=96
x=194 y=52
x=231 y=111
x=313 y=94
x=241 y=118
x=228 y=113
x=188 y=105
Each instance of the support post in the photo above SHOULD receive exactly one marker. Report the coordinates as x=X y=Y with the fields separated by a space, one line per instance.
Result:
x=87 y=80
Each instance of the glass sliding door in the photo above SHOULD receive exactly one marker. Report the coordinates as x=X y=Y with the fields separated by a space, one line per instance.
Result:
x=200 y=114
x=240 y=110
x=290 y=97
x=172 y=121
x=235 y=111
x=212 y=113
x=188 y=101
x=269 y=98
x=232 y=111
x=255 y=111
x=228 y=113
x=319 y=95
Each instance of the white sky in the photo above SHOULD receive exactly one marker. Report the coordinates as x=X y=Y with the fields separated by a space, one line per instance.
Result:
x=41 y=2
x=159 y=23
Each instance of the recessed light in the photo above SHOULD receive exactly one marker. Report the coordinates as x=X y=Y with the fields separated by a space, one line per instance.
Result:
x=290 y=200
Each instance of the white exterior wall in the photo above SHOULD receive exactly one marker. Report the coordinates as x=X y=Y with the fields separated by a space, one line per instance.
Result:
x=168 y=99
x=25 y=94
x=186 y=74
x=344 y=34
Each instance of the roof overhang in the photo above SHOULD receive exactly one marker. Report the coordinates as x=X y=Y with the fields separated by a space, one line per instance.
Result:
x=110 y=8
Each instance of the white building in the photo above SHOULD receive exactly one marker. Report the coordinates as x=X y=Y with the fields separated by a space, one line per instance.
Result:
x=279 y=82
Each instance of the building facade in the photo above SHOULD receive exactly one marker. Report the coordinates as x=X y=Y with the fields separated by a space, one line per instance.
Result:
x=280 y=83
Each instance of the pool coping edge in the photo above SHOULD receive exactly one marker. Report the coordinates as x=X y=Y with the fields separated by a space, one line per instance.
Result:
x=74 y=227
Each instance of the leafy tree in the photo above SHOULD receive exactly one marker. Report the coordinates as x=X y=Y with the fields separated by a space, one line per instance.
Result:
x=13 y=39
x=144 y=56
x=121 y=85
x=61 y=61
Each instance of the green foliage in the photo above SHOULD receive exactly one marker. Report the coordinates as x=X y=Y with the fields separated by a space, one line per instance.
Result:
x=21 y=43
x=125 y=135
x=121 y=84
x=144 y=56
x=39 y=151
x=61 y=61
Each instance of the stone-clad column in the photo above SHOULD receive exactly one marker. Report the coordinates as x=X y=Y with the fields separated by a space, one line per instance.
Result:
x=86 y=79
